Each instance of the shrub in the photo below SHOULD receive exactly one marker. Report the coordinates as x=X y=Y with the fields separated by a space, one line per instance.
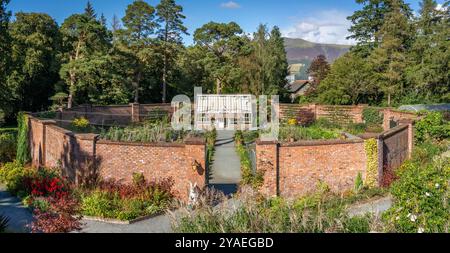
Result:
x=356 y=128
x=249 y=177
x=326 y=123
x=315 y=213
x=433 y=126
x=359 y=184
x=111 y=199
x=371 y=149
x=372 y=116
x=305 y=117
x=420 y=198
x=14 y=176
x=357 y=224
x=23 y=150
x=97 y=203
x=59 y=216
x=81 y=125
x=149 y=131
x=7 y=147
x=292 y=122
x=306 y=133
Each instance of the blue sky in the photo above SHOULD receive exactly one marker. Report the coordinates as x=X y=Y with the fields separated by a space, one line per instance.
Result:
x=321 y=21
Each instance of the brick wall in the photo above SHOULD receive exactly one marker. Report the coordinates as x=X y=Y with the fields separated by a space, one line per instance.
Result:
x=155 y=161
x=52 y=146
x=114 y=114
x=341 y=114
x=392 y=117
x=297 y=168
x=395 y=147
x=294 y=169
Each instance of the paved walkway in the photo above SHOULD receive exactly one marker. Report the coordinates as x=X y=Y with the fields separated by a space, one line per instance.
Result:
x=159 y=224
x=375 y=207
x=226 y=168
x=19 y=215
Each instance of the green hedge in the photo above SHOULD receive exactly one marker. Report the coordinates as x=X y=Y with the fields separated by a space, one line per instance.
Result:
x=23 y=150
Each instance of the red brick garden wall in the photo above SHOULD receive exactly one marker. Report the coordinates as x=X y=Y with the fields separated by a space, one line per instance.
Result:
x=299 y=167
x=346 y=114
x=156 y=161
x=52 y=146
x=114 y=114
x=294 y=169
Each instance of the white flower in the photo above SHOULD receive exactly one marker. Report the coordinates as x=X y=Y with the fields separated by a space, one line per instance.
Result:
x=437 y=186
x=397 y=218
x=413 y=218
x=428 y=194
x=421 y=230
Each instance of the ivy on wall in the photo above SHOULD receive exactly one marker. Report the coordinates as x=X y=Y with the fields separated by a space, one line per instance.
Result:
x=371 y=148
x=23 y=150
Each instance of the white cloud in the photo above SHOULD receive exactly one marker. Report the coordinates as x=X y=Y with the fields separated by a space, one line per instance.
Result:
x=230 y=5
x=330 y=26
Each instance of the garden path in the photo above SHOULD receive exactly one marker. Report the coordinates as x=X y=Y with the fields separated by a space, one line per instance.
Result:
x=19 y=216
x=225 y=172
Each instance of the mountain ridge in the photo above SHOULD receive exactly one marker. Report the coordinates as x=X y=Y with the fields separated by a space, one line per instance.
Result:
x=303 y=51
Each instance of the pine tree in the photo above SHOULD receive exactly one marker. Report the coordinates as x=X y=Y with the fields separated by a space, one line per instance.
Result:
x=367 y=23
x=389 y=59
x=170 y=18
x=103 y=20
x=84 y=40
x=428 y=55
x=89 y=11
x=278 y=69
x=224 y=44
x=140 y=25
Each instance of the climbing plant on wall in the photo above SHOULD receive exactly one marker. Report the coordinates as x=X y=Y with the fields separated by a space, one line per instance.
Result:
x=371 y=149
x=23 y=151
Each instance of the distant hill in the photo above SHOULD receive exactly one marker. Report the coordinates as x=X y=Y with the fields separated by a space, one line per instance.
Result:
x=302 y=51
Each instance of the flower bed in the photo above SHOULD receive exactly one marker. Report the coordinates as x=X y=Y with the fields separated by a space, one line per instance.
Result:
x=148 y=131
x=59 y=205
x=115 y=200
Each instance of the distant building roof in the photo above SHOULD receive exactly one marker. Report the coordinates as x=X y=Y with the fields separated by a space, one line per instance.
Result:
x=295 y=68
x=297 y=85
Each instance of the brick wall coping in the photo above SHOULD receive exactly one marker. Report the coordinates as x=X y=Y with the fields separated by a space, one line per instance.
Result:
x=61 y=130
x=309 y=143
x=393 y=131
x=343 y=106
x=319 y=143
x=189 y=141
x=143 y=144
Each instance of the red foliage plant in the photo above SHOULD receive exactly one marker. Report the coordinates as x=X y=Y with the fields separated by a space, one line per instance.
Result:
x=142 y=189
x=388 y=177
x=60 y=218
x=305 y=117
x=45 y=184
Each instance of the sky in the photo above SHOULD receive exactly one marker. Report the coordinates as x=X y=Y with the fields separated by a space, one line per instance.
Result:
x=321 y=21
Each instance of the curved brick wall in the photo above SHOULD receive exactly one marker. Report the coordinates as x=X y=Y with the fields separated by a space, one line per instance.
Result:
x=52 y=146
